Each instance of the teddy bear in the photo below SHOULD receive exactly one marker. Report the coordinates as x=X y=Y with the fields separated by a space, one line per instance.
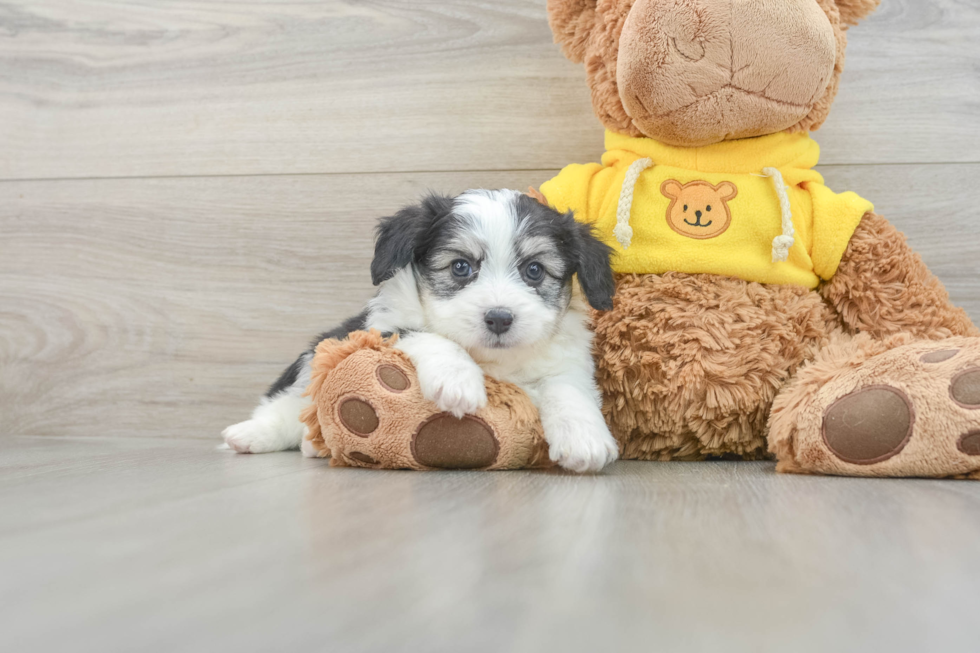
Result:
x=757 y=312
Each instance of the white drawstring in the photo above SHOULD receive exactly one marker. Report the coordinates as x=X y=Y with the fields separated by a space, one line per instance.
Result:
x=782 y=244
x=623 y=231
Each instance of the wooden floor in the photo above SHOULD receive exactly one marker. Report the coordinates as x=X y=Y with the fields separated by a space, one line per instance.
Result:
x=150 y=544
x=187 y=193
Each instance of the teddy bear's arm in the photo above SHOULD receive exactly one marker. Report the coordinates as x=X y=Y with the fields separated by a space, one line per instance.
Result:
x=882 y=287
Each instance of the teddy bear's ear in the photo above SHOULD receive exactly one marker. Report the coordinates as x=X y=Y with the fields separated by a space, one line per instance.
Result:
x=851 y=11
x=572 y=22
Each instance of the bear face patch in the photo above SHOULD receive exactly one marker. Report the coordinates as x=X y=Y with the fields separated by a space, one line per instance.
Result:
x=698 y=209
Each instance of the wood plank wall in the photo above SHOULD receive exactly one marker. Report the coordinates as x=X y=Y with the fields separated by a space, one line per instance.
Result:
x=188 y=190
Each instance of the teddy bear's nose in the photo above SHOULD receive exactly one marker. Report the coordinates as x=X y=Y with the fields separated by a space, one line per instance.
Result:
x=699 y=72
x=698 y=213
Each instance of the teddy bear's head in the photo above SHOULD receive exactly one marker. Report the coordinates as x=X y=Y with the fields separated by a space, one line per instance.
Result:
x=697 y=72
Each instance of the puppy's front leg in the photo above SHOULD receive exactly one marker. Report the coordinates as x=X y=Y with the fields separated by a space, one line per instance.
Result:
x=448 y=376
x=577 y=435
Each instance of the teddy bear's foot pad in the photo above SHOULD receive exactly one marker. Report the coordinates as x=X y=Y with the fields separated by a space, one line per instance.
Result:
x=965 y=389
x=869 y=425
x=445 y=442
x=970 y=444
x=910 y=411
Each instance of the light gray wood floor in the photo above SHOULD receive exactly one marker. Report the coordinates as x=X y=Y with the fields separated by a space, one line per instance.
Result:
x=148 y=544
x=187 y=194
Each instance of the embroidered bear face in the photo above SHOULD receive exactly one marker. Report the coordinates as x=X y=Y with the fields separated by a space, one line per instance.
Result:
x=698 y=209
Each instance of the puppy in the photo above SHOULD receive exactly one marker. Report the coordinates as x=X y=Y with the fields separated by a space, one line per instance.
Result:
x=483 y=283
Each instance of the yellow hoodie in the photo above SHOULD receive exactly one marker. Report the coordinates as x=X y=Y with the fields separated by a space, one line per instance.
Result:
x=753 y=208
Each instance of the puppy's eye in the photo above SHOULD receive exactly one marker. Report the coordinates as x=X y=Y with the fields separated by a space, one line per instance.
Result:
x=461 y=268
x=685 y=208
x=534 y=271
x=709 y=207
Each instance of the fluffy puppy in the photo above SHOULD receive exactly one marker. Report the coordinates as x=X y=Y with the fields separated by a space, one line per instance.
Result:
x=483 y=283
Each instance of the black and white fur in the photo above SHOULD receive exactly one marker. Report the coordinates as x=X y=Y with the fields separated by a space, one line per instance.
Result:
x=483 y=283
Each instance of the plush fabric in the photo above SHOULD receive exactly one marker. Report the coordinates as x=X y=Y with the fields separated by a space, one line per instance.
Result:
x=367 y=411
x=883 y=288
x=663 y=36
x=918 y=429
x=851 y=11
x=698 y=72
x=824 y=221
x=863 y=367
x=689 y=365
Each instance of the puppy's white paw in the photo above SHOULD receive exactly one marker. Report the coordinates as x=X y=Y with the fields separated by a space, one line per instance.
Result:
x=455 y=387
x=308 y=450
x=252 y=436
x=581 y=444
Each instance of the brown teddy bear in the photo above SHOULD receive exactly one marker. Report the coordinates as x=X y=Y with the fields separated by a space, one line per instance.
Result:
x=757 y=312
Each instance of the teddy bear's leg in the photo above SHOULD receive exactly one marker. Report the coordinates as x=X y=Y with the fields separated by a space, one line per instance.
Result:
x=900 y=398
x=882 y=288
x=368 y=411
x=892 y=407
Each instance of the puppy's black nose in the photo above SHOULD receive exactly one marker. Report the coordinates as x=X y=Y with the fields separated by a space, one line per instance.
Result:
x=498 y=320
x=698 y=213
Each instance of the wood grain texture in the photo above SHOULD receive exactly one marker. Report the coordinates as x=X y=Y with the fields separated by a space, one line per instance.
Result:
x=101 y=88
x=209 y=551
x=208 y=173
x=164 y=307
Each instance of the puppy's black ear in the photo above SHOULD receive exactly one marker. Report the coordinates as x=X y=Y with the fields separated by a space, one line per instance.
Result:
x=400 y=237
x=594 y=270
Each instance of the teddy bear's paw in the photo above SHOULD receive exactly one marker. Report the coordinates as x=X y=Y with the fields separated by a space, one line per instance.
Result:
x=370 y=411
x=385 y=422
x=440 y=441
x=911 y=411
